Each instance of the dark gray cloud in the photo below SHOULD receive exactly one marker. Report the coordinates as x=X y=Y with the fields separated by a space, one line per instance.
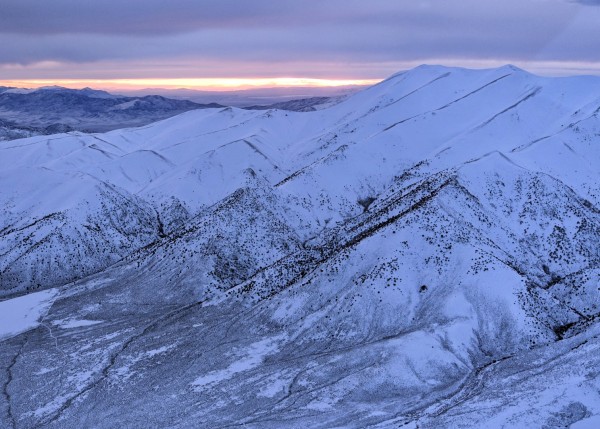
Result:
x=120 y=17
x=156 y=17
x=286 y=35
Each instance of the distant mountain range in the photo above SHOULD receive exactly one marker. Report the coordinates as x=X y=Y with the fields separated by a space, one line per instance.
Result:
x=50 y=110
x=249 y=97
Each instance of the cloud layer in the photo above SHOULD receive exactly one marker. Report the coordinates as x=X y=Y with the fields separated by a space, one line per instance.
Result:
x=70 y=38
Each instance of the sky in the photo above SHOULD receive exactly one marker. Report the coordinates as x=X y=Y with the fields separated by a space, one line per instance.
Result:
x=224 y=44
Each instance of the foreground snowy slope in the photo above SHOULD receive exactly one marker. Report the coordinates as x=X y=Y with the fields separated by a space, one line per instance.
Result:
x=425 y=253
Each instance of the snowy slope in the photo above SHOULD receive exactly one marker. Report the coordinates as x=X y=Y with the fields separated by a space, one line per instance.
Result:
x=424 y=253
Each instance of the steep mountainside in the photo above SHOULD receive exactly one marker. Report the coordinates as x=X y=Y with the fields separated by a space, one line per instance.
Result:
x=425 y=253
x=51 y=110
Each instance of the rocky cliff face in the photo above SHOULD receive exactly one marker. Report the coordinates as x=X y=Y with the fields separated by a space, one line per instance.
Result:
x=423 y=254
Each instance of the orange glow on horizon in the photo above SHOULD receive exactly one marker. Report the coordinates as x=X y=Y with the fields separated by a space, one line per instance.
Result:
x=210 y=84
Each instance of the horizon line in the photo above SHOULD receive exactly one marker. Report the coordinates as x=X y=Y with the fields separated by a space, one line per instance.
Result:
x=201 y=84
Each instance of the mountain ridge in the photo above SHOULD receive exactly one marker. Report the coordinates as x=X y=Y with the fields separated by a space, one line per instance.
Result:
x=422 y=253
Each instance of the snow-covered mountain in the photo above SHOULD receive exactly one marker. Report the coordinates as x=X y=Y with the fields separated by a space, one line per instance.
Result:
x=425 y=253
x=301 y=105
x=50 y=110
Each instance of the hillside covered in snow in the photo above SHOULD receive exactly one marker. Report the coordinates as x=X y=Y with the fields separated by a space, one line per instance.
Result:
x=424 y=253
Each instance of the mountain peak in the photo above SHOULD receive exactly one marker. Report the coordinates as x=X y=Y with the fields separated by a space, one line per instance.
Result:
x=52 y=88
x=513 y=68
